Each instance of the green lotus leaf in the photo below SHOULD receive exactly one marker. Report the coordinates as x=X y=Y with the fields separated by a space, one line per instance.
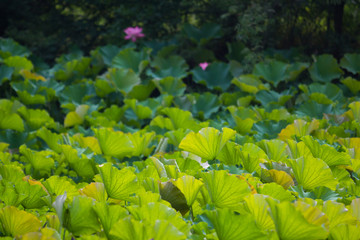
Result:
x=207 y=143
x=171 y=193
x=109 y=215
x=76 y=117
x=170 y=85
x=291 y=224
x=141 y=143
x=175 y=136
x=205 y=105
x=252 y=155
x=34 y=191
x=351 y=62
x=325 y=69
x=299 y=128
x=273 y=71
x=123 y=79
x=268 y=98
x=275 y=149
x=326 y=153
x=230 y=226
x=237 y=51
x=45 y=233
x=88 y=142
x=354 y=113
x=52 y=140
x=189 y=166
x=103 y=88
x=56 y=186
x=164 y=230
x=82 y=219
x=249 y=83
x=5 y=73
x=129 y=229
x=145 y=197
x=17 y=222
x=268 y=129
x=36 y=118
x=337 y=214
x=230 y=154
x=282 y=178
x=313 y=172
x=9 y=47
x=176 y=118
x=352 y=84
x=19 y=63
x=40 y=161
x=276 y=191
x=11 y=121
x=108 y=52
x=345 y=231
x=8 y=194
x=173 y=66
x=190 y=187
x=295 y=69
x=77 y=93
x=131 y=59
x=71 y=69
x=140 y=111
x=12 y=173
x=226 y=191
x=95 y=190
x=331 y=91
x=152 y=212
x=257 y=206
x=142 y=92
x=201 y=35
x=216 y=76
x=113 y=143
x=119 y=184
x=30 y=99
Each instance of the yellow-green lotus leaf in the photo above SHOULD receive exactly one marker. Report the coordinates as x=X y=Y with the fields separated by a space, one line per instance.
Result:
x=299 y=128
x=114 y=143
x=345 y=232
x=313 y=172
x=355 y=208
x=16 y=222
x=95 y=190
x=190 y=187
x=226 y=191
x=337 y=214
x=290 y=224
x=207 y=143
x=76 y=117
x=119 y=184
x=282 y=178
x=231 y=226
x=44 y=234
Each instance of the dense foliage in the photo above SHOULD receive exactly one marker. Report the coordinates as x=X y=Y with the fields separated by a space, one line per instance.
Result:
x=116 y=145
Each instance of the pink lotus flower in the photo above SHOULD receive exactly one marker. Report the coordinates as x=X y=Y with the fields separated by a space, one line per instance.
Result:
x=204 y=65
x=133 y=33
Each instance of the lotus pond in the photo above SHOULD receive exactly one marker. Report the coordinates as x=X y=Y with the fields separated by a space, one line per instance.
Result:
x=134 y=143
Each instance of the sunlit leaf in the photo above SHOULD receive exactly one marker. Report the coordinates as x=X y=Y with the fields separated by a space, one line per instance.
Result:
x=190 y=187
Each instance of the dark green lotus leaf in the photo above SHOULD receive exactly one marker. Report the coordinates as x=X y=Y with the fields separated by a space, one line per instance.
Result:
x=268 y=129
x=273 y=71
x=314 y=109
x=123 y=79
x=206 y=32
x=141 y=92
x=296 y=69
x=216 y=76
x=351 y=62
x=5 y=73
x=77 y=93
x=174 y=66
x=325 y=69
x=205 y=105
x=9 y=47
x=267 y=98
x=14 y=138
x=33 y=192
x=174 y=196
x=331 y=91
x=108 y=53
x=170 y=85
x=129 y=58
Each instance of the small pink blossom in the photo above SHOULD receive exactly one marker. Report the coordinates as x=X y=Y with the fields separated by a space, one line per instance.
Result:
x=133 y=33
x=204 y=65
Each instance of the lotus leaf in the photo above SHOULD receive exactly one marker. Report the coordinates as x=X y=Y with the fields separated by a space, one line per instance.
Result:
x=205 y=33
x=19 y=63
x=351 y=62
x=273 y=71
x=216 y=76
x=131 y=59
x=173 y=66
x=352 y=84
x=123 y=79
x=207 y=143
x=325 y=69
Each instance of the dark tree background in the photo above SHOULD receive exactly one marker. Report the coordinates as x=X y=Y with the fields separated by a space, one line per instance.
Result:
x=52 y=27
